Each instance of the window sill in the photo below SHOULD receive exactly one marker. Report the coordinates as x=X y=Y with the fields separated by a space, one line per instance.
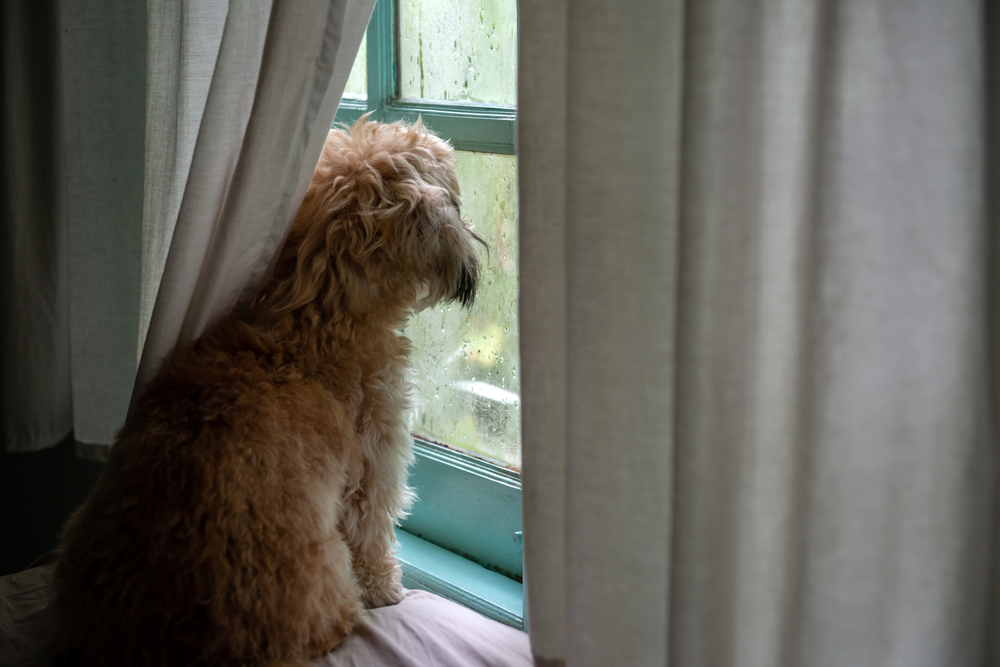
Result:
x=467 y=506
x=431 y=568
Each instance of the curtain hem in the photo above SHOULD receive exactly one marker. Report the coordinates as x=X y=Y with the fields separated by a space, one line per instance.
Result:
x=45 y=441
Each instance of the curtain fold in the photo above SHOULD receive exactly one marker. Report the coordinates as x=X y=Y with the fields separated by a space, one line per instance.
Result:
x=103 y=54
x=757 y=332
x=598 y=234
x=183 y=40
x=541 y=148
x=275 y=87
x=36 y=405
x=133 y=158
x=73 y=88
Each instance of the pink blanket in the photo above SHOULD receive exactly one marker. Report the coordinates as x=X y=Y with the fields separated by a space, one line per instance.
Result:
x=423 y=629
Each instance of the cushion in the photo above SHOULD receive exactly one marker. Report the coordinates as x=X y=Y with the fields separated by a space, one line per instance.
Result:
x=25 y=622
x=423 y=629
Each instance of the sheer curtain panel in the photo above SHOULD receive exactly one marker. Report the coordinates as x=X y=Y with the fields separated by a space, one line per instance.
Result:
x=759 y=331
x=154 y=155
x=73 y=130
x=219 y=200
x=36 y=408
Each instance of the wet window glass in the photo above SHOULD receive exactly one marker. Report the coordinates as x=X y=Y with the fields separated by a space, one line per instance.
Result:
x=458 y=50
x=357 y=83
x=466 y=362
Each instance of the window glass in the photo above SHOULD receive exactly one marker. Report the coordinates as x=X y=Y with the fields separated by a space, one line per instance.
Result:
x=464 y=50
x=466 y=362
x=357 y=83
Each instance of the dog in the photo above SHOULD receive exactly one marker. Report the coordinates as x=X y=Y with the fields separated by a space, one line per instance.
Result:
x=246 y=513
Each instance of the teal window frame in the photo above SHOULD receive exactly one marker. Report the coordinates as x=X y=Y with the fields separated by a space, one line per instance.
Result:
x=462 y=539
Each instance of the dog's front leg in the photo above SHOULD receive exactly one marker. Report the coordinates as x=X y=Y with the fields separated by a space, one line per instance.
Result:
x=372 y=539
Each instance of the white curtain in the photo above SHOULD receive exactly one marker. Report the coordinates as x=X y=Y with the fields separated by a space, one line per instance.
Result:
x=263 y=114
x=180 y=158
x=759 y=331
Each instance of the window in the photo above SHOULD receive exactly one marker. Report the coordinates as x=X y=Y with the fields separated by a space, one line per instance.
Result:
x=453 y=63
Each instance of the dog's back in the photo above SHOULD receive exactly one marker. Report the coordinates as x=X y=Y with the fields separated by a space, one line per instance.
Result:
x=207 y=540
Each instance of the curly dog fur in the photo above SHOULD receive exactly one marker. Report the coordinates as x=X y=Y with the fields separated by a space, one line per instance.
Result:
x=246 y=512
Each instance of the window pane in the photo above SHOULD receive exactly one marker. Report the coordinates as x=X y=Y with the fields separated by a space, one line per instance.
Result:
x=458 y=50
x=357 y=83
x=467 y=361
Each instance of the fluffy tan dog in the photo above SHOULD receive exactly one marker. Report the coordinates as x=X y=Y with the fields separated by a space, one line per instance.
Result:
x=246 y=513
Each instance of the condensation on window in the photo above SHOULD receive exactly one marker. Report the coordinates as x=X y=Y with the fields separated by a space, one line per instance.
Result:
x=357 y=82
x=466 y=361
x=458 y=50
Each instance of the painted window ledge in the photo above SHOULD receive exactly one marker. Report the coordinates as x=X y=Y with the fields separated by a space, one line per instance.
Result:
x=431 y=568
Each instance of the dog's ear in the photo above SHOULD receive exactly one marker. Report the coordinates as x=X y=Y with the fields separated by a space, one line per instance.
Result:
x=379 y=223
x=348 y=234
x=300 y=272
x=454 y=267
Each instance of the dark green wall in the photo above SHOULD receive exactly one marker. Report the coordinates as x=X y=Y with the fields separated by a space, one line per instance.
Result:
x=38 y=492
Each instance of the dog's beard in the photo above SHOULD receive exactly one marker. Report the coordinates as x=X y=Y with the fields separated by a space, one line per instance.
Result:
x=468 y=280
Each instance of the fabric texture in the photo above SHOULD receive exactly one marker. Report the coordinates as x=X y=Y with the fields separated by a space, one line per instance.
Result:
x=26 y=621
x=183 y=40
x=271 y=98
x=73 y=182
x=423 y=629
x=103 y=48
x=759 y=351
x=216 y=121
x=35 y=398
x=598 y=207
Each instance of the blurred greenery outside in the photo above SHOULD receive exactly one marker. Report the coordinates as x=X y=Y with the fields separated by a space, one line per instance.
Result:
x=466 y=361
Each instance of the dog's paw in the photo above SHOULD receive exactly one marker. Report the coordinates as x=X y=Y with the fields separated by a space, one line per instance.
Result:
x=383 y=589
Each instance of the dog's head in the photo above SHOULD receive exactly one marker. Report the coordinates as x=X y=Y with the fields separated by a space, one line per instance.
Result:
x=380 y=230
